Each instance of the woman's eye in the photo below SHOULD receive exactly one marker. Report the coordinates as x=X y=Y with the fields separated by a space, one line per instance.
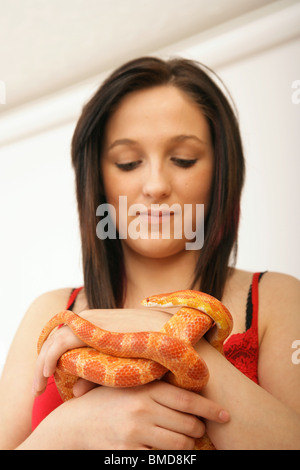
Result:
x=128 y=166
x=184 y=162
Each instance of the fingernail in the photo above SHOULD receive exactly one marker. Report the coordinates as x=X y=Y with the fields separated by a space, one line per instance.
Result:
x=224 y=416
x=46 y=372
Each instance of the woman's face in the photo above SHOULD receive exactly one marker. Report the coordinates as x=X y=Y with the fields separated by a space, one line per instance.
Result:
x=157 y=151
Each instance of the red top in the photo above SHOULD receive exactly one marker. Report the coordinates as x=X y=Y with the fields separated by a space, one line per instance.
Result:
x=240 y=349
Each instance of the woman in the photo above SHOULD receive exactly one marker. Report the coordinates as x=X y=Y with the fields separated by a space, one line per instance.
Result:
x=160 y=132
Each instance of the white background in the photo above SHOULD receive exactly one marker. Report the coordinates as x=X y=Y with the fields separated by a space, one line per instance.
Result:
x=39 y=237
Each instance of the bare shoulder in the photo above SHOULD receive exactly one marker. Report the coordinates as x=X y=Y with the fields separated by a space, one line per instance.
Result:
x=275 y=289
x=46 y=305
x=279 y=314
x=52 y=299
x=279 y=307
x=285 y=283
x=279 y=292
x=17 y=401
x=39 y=312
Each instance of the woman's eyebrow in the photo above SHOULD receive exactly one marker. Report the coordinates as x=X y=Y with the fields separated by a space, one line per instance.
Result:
x=175 y=139
x=183 y=137
x=121 y=142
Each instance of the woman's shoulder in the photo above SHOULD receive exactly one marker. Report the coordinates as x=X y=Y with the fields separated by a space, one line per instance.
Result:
x=55 y=295
x=57 y=298
x=278 y=293
x=270 y=280
x=23 y=347
x=46 y=305
x=40 y=311
x=281 y=281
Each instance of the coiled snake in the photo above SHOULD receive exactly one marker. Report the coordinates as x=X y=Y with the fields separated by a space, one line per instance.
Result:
x=130 y=359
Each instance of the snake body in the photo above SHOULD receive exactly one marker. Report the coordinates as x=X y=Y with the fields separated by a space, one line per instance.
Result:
x=130 y=359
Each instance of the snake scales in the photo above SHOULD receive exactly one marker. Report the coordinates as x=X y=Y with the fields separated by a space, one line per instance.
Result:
x=130 y=359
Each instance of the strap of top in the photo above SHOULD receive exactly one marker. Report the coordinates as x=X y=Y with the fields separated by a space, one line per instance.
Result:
x=72 y=298
x=252 y=302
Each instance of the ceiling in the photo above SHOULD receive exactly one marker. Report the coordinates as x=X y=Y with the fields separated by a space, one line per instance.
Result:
x=47 y=45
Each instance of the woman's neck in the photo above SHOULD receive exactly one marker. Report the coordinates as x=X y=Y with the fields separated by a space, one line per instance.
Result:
x=149 y=276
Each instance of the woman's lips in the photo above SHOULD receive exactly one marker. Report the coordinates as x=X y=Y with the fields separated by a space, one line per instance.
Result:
x=156 y=217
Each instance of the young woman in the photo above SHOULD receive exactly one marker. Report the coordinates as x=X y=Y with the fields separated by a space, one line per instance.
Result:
x=160 y=132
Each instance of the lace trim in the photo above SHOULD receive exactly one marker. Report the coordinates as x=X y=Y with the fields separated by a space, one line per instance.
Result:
x=241 y=349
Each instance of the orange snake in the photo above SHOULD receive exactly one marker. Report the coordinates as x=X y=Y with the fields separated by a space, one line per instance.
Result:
x=130 y=359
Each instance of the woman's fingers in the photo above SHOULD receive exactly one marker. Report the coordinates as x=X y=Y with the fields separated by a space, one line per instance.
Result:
x=63 y=340
x=184 y=424
x=136 y=421
x=166 y=439
x=54 y=347
x=82 y=386
x=166 y=417
x=191 y=403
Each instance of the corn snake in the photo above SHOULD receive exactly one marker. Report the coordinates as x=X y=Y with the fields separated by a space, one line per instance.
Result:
x=130 y=359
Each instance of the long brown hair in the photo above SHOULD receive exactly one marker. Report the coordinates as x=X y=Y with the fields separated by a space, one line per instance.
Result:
x=103 y=267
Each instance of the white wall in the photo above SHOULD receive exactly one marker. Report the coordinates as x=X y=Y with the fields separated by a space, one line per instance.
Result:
x=261 y=85
x=39 y=237
x=39 y=240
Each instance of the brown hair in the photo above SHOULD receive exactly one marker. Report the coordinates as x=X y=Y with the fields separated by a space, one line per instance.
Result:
x=103 y=266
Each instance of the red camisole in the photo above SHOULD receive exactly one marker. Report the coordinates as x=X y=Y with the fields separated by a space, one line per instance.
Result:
x=240 y=349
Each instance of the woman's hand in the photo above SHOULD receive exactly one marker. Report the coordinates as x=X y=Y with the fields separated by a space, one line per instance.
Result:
x=63 y=339
x=157 y=415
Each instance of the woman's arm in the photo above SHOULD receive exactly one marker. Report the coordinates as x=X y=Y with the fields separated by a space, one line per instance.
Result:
x=16 y=398
x=156 y=415
x=265 y=416
x=260 y=417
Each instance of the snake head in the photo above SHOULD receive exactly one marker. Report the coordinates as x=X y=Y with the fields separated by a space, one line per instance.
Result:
x=158 y=300
x=173 y=299
x=201 y=301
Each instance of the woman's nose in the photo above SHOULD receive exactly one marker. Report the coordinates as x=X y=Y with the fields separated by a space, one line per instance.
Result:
x=157 y=183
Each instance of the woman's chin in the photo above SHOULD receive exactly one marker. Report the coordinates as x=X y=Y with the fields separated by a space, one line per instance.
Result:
x=151 y=248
